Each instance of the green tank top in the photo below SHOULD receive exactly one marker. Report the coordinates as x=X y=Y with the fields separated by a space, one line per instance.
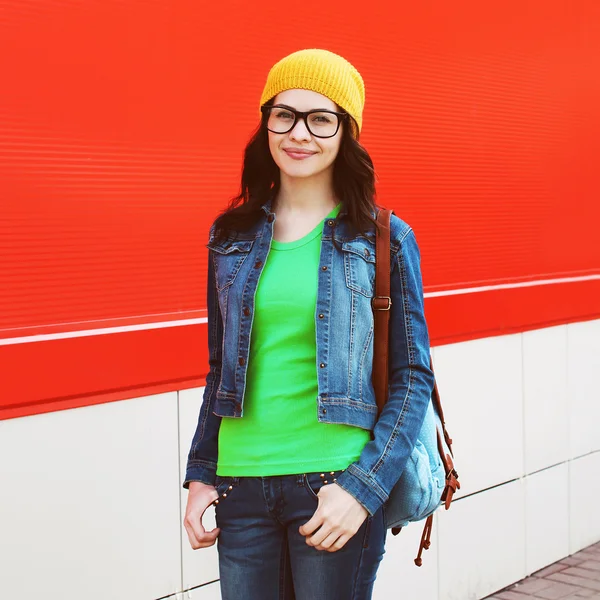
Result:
x=279 y=433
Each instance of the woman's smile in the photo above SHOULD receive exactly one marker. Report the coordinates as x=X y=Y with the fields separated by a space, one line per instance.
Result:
x=298 y=154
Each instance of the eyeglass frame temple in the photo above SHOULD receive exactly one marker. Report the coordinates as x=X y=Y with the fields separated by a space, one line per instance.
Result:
x=303 y=115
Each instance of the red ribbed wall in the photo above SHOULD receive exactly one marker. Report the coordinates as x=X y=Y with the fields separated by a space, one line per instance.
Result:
x=483 y=121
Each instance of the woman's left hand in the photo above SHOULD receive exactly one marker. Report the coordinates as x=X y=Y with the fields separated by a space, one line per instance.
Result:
x=337 y=518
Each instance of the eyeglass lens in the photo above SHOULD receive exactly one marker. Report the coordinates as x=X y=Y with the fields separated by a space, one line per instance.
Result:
x=320 y=124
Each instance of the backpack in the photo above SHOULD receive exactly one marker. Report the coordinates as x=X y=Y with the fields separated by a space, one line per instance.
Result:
x=429 y=478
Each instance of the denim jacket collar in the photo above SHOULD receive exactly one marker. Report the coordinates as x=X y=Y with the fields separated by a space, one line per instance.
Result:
x=268 y=205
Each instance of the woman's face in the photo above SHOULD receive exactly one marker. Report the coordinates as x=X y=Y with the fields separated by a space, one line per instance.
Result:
x=314 y=155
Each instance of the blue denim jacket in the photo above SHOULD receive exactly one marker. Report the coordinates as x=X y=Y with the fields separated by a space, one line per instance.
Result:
x=344 y=337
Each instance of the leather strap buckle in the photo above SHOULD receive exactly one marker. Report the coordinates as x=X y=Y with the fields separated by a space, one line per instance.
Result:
x=381 y=303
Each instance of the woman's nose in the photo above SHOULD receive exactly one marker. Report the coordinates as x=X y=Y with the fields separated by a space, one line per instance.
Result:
x=300 y=131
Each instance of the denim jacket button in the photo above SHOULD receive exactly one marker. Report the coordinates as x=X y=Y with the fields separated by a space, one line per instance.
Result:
x=270 y=218
x=324 y=268
x=330 y=222
x=322 y=365
x=246 y=311
x=258 y=264
x=242 y=361
x=321 y=316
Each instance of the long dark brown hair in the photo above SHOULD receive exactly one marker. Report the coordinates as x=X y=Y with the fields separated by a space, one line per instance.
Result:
x=353 y=184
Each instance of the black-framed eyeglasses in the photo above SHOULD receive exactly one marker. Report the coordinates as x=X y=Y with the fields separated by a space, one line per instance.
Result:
x=320 y=123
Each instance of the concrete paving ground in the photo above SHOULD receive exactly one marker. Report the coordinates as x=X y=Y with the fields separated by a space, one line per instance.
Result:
x=572 y=578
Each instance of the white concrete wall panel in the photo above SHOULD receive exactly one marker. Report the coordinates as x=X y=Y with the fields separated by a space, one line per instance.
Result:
x=91 y=498
x=583 y=343
x=90 y=503
x=399 y=572
x=546 y=408
x=482 y=543
x=199 y=566
x=584 y=475
x=547 y=517
x=480 y=384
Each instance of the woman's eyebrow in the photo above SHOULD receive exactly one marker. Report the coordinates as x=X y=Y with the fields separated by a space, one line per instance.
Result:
x=292 y=108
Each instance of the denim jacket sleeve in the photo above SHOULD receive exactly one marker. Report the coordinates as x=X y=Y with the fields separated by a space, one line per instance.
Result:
x=371 y=478
x=202 y=458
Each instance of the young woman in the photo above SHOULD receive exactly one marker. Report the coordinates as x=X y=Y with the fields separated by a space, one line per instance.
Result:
x=289 y=446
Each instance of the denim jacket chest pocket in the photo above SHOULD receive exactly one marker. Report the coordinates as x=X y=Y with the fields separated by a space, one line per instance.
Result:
x=359 y=266
x=228 y=257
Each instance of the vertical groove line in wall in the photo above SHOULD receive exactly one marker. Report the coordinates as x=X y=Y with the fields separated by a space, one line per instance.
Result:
x=436 y=517
x=523 y=410
x=437 y=556
x=524 y=448
x=569 y=416
x=180 y=494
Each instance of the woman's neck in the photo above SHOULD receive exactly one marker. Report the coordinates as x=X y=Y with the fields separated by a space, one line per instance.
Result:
x=305 y=195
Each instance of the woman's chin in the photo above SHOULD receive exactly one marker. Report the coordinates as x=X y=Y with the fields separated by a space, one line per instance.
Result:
x=299 y=171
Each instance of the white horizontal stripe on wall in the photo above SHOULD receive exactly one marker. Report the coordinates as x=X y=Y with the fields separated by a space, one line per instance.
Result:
x=89 y=331
x=511 y=285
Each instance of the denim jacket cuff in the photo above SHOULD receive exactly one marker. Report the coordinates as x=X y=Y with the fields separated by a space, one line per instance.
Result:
x=364 y=488
x=200 y=471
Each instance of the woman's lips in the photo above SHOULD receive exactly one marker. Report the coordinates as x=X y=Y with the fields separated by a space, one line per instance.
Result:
x=297 y=155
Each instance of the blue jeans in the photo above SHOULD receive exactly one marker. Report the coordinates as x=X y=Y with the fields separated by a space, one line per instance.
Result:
x=263 y=556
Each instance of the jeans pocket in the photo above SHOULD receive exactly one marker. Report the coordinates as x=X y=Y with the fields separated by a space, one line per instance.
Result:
x=369 y=523
x=225 y=486
x=313 y=482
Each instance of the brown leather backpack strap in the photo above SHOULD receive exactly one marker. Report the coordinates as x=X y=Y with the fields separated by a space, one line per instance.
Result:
x=425 y=540
x=452 y=483
x=435 y=398
x=381 y=304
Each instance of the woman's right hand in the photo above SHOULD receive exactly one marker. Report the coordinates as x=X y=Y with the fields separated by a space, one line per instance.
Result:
x=200 y=497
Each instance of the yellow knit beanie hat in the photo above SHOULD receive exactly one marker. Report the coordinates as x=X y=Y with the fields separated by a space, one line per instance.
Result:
x=320 y=71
